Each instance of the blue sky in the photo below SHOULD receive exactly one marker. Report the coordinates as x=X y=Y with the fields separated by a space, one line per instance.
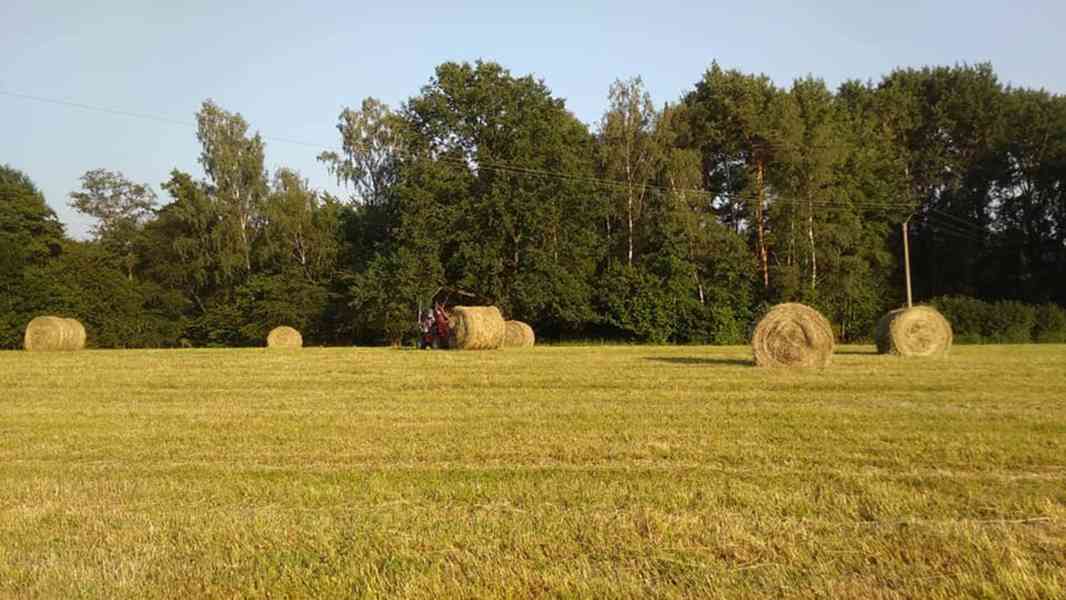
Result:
x=289 y=67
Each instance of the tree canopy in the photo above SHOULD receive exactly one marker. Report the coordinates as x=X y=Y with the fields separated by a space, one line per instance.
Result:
x=669 y=223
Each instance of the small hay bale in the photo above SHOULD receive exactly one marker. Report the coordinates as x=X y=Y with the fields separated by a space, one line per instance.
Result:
x=475 y=328
x=915 y=331
x=793 y=335
x=285 y=337
x=518 y=335
x=54 y=334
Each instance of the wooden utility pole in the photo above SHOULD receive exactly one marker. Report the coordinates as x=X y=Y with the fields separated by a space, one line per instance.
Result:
x=907 y=261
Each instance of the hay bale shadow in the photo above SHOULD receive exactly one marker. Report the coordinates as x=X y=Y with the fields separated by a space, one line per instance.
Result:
x=691 y=360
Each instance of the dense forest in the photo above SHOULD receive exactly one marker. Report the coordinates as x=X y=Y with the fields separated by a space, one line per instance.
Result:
x=672 y=223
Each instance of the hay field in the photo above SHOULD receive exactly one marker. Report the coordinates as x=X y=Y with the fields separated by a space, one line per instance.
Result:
x=570 y=472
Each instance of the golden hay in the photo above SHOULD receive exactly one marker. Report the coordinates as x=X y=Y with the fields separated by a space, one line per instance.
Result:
x=50 y=334
x=285 y=337
x=78 y=335
x=475 y=328
x=518 y=335
x=793 y=335
x=915 y=331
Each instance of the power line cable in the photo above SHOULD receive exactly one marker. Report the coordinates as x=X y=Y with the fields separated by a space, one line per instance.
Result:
x=957 y=219
x=491 y=165
x=147 y=117
x=511 y=168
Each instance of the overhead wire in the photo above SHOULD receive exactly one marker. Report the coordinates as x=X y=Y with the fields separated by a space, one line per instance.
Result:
x=490 y=165
x=957 y=227
x=145 y=116
x=956 y=218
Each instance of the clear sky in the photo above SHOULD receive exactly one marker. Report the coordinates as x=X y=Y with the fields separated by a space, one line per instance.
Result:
x=289 y=67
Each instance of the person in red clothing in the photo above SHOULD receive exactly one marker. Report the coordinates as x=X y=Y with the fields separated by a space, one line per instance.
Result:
x=440 y=321
x=428 y=327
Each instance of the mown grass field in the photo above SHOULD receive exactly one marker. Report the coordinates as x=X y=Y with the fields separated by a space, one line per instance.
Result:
x=583 y=472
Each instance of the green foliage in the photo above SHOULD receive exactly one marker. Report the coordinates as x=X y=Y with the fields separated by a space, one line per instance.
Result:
x=370 y=156
x=385 y=299
x=1050 y=324
x=1002 y=322
x=83 y=283
x=660 y=224
x=233 y=161
x=30 y=235
x=1010 y=322
x=288 y=298
x=29 y=230
x=635 y=303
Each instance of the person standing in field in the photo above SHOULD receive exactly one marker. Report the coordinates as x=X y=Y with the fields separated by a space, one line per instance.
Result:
x=427 y=325
x=440 y=321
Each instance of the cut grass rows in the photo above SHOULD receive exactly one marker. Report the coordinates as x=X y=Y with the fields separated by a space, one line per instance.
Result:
x=609 y=472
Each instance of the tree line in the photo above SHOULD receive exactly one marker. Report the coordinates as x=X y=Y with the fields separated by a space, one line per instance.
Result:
x=672 y=223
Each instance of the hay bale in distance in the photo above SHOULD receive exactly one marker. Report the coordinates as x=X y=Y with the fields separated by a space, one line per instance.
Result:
x=793 y=335
x=914 y=331
x=475 y=328
x=518 y=335
x=285 y=337
x=53 y=334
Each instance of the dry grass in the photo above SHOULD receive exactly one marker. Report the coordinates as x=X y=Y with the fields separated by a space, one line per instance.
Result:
x=580 y=472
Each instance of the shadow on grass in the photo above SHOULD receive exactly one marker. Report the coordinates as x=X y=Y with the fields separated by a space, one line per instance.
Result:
x=856 y=352
x=701 y=361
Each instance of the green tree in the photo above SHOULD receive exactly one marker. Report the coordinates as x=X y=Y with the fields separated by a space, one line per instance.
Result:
x=300 y=229
x=497 y=188
x=739 y=123
x=30 y=235
x=183 y=245
x=120 y=207
x=629 y=154
x=83 y=283
x=233 y=161
x=370 y=147
x=946 y=122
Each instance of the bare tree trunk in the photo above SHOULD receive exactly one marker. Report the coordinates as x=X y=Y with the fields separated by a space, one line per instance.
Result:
x=764 y=260
x=629 y=205
x=244 y=242
x=792 y=238
x=629 y=219
x=810 y=236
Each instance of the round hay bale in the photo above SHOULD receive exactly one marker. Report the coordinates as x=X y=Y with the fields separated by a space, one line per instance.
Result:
x=518 y=335
x=52 y=334
x=285 y=337
x=475 y=328
x=77 y=333
x=915 y=331
x=793 y=335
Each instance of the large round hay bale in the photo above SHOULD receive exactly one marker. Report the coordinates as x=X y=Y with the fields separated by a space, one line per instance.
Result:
x=475 y=328
x=914 y=331
x=518 y=335
x=793 y=335
x=77 y=333
x=284 y=337
x=51 y=334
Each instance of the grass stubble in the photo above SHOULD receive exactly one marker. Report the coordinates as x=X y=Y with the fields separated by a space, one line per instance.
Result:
x=568 y=472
